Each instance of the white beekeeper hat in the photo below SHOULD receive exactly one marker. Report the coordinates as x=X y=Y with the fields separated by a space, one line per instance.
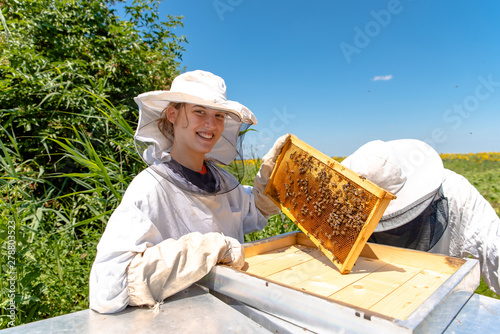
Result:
x=195 y=87
x=409 y=168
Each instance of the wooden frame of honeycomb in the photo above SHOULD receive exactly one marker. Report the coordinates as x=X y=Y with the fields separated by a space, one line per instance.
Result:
x=336 y=208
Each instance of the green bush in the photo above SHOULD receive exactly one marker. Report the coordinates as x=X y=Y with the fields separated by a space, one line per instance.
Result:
x=54 y=53
x=66 y=151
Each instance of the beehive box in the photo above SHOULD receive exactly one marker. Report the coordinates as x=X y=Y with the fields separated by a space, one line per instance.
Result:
x=389 y=290
x=336 y=208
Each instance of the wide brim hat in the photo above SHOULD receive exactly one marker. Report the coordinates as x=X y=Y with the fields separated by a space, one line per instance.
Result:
x=409 y=168
x=194 y=87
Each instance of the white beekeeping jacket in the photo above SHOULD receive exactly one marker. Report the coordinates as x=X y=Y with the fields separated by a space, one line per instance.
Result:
x=473 y=228
x=153 y=211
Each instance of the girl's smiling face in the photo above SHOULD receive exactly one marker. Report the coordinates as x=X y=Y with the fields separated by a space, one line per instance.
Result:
x=196 y=131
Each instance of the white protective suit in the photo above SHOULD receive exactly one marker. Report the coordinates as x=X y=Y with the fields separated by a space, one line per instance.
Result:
x=436 y=209
x=473 y=228
x=160 y=240
x=167 y=233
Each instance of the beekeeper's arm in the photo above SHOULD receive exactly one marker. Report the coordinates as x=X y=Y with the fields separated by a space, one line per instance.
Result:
x=475 y=227
x=173 y=265
x=135 y=267
x=263 y=203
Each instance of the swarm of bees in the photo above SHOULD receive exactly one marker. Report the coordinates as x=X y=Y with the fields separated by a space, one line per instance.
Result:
x=332 y=208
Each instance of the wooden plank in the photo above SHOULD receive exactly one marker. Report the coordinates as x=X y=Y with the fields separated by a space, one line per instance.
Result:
x=273 y=255
x=408 y=257
x=386 y=280
x=302 y=239
x=403 y=256
x=332 y=281
x=299 y=273
x=277 y=264
x=261 y=246
x=408 y=297
x=372 y=288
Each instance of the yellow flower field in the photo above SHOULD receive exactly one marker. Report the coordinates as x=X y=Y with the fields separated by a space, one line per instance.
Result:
x=477 y=157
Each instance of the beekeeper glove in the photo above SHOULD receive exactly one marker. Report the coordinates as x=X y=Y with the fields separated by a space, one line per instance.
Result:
x=173 y=265
x=234 y=255
x=262 y=202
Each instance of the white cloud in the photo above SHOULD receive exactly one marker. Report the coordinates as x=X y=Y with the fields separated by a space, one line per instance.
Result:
x=382 y=77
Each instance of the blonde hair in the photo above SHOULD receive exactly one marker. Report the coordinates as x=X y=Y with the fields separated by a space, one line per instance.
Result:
x=164 y=125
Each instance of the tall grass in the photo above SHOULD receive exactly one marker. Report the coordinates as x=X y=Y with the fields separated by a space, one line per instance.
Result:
x=56 y=233
x=482 y=170
x=45 y=276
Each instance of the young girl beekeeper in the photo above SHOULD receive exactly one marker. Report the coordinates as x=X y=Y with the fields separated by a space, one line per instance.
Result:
x=183 y=214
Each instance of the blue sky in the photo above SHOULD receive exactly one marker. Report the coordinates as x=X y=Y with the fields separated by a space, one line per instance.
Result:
x=338 y=74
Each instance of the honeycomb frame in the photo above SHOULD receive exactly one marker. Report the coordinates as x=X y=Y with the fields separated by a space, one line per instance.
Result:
x=337 y=209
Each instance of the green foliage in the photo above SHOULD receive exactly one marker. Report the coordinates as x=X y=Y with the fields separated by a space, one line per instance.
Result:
x=28 y=233
x=59 y=51
x=46 y=247
x=69 y=70
x=244 y=171
x=484 y=174
x=278 y=224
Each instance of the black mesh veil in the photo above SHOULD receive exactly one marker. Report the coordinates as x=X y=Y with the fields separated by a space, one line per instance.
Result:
x=423 y=231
